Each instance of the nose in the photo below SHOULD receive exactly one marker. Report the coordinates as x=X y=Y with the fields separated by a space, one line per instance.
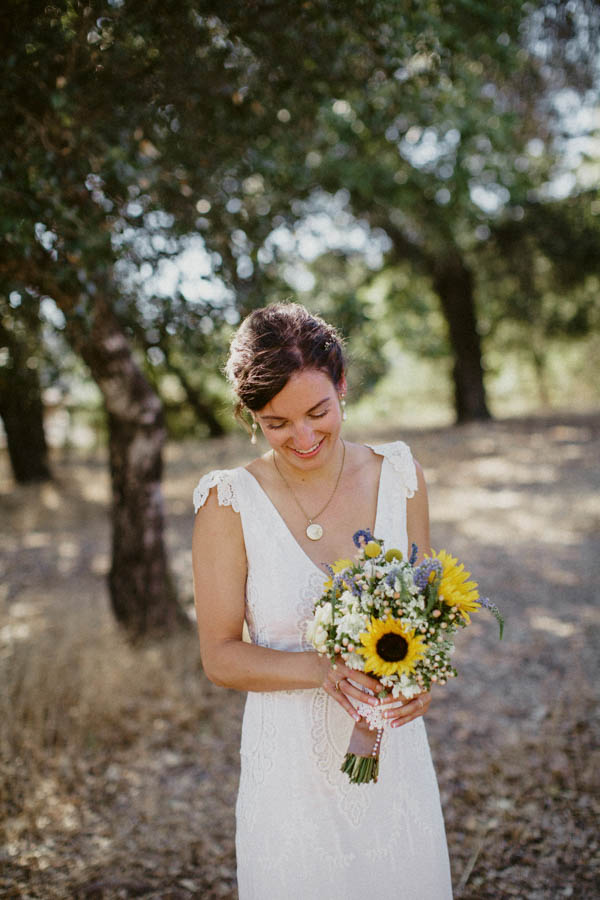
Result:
x=304 y=436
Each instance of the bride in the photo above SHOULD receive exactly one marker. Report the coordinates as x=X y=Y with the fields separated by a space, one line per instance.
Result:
x=263 y=536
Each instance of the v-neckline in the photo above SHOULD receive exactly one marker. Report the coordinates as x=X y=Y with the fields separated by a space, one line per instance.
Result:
x=287 y=527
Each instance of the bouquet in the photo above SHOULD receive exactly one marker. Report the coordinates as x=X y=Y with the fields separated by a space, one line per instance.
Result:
x=396 y=621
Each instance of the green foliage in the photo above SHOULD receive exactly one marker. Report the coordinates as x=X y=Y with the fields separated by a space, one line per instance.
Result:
x=125 y=129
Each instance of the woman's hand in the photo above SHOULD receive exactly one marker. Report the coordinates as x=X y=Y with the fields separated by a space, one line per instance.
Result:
x=398 y=710
x=336 y=683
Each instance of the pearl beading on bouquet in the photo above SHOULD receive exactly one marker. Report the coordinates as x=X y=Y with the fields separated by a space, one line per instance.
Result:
x=373 y=715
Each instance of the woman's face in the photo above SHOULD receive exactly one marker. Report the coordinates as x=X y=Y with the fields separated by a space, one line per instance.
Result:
x=302 y=422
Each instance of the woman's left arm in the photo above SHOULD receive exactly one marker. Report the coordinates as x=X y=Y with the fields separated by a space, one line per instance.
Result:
x=417 y=517
x=417 y=523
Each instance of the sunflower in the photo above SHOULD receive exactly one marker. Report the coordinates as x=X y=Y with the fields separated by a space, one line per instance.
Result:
x=338 y=566
x=389 y=648
x=455 y=587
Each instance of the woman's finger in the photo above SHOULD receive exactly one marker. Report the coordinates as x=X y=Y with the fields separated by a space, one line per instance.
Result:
x=366 y=681
x=389 y=700
x=337 y=692
x=350 y=689
x=357 y=694
x=410 y=710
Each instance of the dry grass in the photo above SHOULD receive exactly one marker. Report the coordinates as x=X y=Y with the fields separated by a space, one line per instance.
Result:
x=98 y=740
x=84 y=690
x=119 y=766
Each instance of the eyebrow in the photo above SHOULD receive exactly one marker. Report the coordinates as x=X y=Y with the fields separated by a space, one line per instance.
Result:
x=312 y=409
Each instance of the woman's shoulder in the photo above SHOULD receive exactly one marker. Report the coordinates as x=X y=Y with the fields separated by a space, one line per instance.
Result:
x=400 y=457
x=228 y=484
x=397 y=452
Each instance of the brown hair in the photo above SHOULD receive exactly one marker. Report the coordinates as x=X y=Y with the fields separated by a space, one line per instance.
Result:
x=275 y=342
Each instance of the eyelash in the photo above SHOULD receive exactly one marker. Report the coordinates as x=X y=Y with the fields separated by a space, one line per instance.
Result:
x=313 y=416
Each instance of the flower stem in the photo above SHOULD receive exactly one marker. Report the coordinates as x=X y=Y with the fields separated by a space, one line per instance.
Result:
x=360 y=769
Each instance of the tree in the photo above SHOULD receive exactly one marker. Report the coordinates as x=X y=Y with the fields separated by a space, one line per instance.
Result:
x=417 y=86
x=432 y=141
x=21 y=405
x=156 y=122
x=62 y=129
x=540 y=274
x=103 y=134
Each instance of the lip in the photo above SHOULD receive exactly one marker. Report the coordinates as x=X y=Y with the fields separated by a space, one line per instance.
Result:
x=310 y=455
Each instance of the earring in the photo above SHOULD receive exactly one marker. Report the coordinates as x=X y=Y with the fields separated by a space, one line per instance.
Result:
x=343 y=405
x=253 y=439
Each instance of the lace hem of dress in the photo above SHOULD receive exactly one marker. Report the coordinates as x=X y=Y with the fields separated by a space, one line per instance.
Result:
x=401 y=459
x=227 y=491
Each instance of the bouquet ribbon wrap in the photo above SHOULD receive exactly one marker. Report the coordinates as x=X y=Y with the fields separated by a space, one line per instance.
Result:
x=362 y=739
x=361 y=762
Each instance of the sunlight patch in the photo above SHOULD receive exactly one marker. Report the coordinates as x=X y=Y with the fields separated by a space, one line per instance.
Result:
x=554 y=626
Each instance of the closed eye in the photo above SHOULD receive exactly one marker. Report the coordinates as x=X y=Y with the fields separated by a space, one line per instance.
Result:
x=318 y=415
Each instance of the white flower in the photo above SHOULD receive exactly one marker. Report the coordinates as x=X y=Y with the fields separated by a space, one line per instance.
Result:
x=316 y=628
x=310 y=630
x=317 y=636
x=348 y=603
x=403 y=684
x=351 y=625
x=410 y=691
x=324 y=614
x=354 y=661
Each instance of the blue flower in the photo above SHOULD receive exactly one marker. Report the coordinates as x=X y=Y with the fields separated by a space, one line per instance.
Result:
x=394 y=573
x=362 y=537
x=423 y=572
x=353 y=586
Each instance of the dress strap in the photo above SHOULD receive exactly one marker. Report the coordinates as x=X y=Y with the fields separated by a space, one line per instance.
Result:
x=227 y=485
x=401 y=459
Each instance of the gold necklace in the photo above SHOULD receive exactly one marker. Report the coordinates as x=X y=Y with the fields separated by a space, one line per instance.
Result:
x=314 y=531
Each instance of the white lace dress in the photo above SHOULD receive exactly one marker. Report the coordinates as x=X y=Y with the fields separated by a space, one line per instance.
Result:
x=303 y=831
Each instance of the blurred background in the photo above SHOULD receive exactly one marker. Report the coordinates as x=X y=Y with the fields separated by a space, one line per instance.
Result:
x=425 y=176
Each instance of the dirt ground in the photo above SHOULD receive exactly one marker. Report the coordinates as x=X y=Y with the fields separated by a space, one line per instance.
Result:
x=120 y=765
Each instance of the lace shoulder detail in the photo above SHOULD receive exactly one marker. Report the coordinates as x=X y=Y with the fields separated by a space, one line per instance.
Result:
x=226 y=483
x=401 y=459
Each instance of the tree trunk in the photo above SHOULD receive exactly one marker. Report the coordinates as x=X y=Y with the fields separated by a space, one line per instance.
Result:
x=22 y=412
x=141 y=588
x=453 y=283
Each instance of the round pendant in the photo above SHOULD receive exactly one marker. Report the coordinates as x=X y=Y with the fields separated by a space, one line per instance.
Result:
x=314 y=531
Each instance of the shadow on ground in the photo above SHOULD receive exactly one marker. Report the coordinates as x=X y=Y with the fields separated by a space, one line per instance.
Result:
x=120 y=766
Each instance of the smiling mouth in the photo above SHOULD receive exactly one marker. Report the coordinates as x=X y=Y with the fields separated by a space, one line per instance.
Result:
x=309 y=451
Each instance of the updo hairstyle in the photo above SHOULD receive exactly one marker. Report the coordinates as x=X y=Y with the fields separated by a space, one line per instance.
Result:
x=271 y=345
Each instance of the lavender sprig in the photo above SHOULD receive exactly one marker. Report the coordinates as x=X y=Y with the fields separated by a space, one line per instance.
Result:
x=351 y=583
x=423 y=572
x=487 y=604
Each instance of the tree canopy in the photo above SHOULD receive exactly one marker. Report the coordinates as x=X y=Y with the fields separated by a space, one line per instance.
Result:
x=131 y=133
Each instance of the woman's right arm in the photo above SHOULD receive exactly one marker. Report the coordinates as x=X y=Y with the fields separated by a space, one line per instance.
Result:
x=220 y=570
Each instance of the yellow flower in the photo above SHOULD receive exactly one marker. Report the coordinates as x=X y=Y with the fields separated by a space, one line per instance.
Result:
x=372 y=549
x=338 y=566
x=393 y=554
x=455 y=587
x=389 y=648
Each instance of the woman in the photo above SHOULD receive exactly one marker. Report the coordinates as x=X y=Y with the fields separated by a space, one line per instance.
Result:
x=263 y=536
